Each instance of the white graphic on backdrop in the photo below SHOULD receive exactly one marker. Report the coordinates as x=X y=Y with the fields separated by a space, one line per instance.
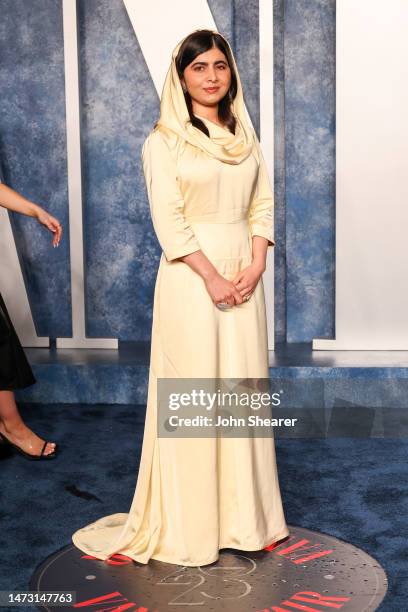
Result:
x=13 y=288
x=371 y=177
x=71 y=63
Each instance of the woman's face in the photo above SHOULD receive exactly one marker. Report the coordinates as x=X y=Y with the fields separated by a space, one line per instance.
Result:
x=208 y=77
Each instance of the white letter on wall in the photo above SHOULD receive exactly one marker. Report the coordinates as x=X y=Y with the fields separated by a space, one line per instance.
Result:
x=79 y=339
x=371 y=177
x=13 y=287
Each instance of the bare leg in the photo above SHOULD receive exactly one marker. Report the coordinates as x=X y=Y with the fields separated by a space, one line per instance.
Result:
x=14 y=428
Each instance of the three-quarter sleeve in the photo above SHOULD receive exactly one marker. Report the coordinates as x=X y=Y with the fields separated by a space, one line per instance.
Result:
x=261 y=210
x=174 y=233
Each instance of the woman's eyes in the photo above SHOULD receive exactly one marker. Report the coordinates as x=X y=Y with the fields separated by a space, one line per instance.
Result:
x=200 y=68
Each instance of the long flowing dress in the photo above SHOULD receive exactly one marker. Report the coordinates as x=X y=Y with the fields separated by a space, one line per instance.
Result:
x=195 y=496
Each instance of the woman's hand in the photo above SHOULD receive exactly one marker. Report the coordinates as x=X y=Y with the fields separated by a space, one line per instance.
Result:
x=50 y=223
x=12 y=200
x=222 y=290
x=247 y=279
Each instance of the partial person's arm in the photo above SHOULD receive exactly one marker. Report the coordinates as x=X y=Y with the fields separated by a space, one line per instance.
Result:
x=173 y=232
x=261 y=226
x=12 y=200
x=261 y=212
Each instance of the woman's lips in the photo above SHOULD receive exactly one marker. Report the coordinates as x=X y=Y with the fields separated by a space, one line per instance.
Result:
x=211 y=89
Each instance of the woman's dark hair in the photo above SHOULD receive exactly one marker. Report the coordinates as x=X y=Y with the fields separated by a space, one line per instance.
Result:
x=198 y=42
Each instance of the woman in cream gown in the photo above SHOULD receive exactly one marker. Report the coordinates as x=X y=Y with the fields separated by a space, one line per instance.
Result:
x=207 y=194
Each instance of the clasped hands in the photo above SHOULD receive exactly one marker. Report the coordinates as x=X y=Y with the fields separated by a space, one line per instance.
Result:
x=238 y=290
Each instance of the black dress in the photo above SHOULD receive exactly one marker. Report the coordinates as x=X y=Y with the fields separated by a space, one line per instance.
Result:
x=15 y=371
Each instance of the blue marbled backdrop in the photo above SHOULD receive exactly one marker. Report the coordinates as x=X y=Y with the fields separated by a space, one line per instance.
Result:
x=33 y=149
x=119 y=106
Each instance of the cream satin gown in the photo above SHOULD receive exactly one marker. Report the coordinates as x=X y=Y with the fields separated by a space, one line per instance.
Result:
x=195 y=496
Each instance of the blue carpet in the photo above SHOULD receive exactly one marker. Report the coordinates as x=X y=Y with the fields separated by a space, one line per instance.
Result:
x=353 y=489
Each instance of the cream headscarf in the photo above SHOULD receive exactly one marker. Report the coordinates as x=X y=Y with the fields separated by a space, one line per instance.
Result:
x=225 y=146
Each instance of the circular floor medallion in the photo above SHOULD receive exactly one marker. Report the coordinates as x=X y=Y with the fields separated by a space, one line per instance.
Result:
x=308 y=571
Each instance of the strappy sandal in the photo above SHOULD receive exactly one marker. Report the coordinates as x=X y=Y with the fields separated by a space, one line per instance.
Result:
x=39 y=457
